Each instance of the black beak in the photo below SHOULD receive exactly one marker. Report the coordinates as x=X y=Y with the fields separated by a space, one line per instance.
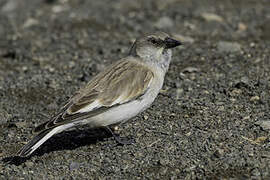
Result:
x=171 y=43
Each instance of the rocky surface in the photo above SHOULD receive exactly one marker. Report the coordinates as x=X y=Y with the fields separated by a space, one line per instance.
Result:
x=210 y=121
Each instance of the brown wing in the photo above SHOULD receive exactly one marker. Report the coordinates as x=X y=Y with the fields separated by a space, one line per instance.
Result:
x=122 y=82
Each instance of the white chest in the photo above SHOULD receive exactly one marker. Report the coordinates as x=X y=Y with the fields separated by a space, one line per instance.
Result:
x=124 y=112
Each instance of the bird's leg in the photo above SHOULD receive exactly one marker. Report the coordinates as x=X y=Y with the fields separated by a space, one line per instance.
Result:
x=121 y=141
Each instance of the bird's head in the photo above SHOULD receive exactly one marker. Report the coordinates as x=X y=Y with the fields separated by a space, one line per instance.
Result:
x=154 y=47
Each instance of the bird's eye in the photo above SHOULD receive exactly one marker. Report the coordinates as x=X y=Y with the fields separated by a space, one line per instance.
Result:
x=153 y=40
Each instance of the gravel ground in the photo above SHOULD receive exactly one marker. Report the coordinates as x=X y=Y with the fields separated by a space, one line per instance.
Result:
x=211 y=120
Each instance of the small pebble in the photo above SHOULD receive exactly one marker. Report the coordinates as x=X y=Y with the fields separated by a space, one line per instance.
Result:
x=185 y=39
x=265 y=125
x=74 y=166
x=20 y=124
x=212 y=17
x=224 y=46
x=164 y=22
x=190 y=70
x=4 y=116
x=242 y=27
x=10 y=5
x=254 y=98
x=29 y=164
x=145 y=117
x=30 y=22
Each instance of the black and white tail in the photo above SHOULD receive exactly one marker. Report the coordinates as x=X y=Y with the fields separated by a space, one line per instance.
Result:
x=38 y=140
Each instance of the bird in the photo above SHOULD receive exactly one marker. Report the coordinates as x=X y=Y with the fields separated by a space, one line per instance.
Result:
x=115 y=95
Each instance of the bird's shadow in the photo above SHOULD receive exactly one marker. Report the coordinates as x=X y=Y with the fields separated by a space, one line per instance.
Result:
x=68 y=140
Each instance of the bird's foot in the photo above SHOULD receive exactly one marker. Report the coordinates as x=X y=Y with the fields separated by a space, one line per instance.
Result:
x=121 y=140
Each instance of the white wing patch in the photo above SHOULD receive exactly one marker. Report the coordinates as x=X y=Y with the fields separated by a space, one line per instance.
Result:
x=90 y=107
x=96 y=104
x=119 y=100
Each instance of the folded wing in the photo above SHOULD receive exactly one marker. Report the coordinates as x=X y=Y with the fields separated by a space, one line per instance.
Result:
x=124 y=81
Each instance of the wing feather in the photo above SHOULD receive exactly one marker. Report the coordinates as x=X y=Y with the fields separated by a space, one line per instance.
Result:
x=124 y=81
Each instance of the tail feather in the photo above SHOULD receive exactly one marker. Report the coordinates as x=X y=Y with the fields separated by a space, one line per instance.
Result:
x=28 y=148
x=38 y=140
